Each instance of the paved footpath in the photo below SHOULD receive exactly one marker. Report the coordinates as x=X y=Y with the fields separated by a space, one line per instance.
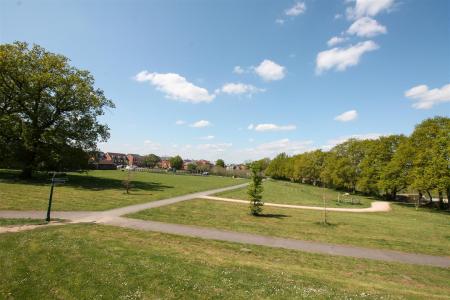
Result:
x=113 y=217
x=376 y=206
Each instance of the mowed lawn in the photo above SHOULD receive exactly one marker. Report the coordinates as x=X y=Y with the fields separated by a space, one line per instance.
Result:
x=93 y=261
x=10 y=222
x=285 y=192
x=403 y=228
x=100 y=190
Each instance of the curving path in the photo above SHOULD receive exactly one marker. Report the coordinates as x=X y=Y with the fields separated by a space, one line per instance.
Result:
x=113 y=217
x=376 y=206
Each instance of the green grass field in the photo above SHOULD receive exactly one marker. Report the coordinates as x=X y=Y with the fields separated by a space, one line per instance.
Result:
x=100 y=190
x=93 y=261
x=403 y=228
x=298 y=194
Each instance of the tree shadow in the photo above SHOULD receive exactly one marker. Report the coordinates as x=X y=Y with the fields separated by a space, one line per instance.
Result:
x=425 y=207
x=327 y=224
x=276 y=216
x=88 y=182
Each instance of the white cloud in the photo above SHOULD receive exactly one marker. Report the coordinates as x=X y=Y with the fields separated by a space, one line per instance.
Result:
x=180 y=122
x=366 y=27
x=269 y=70
x=279 y=21
x=238 y=70
x=273 y=148
x=201 y=124
x=425 y=98
x=347 y=116
x=337 y=16
x=335 y=40
x=271 y=127
x=297 y=9
x=239 y=88
x=176 y=87
x=219 y=147
x=368 y=8
x=342 y=139
x=208 y=137
x=341 y=58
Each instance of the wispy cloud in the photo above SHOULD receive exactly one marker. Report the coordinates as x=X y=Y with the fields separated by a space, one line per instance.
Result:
x=201 y=124
x=271 y=127
x=239 y=89
x=347 y=116
x=366 y=27
x=295 y=10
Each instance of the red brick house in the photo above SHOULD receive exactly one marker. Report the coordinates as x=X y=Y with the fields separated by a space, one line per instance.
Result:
x=135 y=160
x=164 y=163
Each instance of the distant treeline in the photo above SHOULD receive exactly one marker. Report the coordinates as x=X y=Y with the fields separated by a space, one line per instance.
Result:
x=380 y=167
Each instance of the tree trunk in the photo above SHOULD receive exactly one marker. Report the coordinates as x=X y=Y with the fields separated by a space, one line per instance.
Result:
x=429 y=196
x=27 y=170
x=448 y=197
x=441 y=199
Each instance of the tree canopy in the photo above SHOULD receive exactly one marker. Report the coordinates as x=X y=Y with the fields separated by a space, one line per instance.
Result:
x=381 y=167
x=48 y=109
x=220 y=163
x=176 y=162
x=151 y=160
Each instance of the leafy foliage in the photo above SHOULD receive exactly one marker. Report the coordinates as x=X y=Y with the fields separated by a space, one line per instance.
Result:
x=48 y=109
x=151 y=160
x=255 y=190
x=384 y=166
x=176 y=162
x=220 y=163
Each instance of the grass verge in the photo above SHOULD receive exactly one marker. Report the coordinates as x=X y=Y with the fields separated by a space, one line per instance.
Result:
x=93 y=261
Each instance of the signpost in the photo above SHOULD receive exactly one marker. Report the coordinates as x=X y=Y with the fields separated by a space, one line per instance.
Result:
x=54 y=181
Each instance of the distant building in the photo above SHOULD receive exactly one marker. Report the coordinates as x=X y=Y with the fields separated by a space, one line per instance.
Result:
x=116 y=158
x=135 y=160
x=164 y=163
x=187 y=162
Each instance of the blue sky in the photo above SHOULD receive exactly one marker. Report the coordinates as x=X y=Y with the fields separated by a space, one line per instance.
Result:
x=248 y=79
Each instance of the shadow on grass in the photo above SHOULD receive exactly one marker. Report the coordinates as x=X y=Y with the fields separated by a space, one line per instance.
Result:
x=327 y=224
x=425 y=207
x=81 y=181
x=276 y=216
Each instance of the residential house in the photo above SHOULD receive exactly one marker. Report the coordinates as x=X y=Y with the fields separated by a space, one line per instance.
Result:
x=164 y=163
x=116 y=158
x=136 y=160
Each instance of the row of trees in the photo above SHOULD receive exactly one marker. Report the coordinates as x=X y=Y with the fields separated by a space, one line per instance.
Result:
x=48 y=111
x=381 y=167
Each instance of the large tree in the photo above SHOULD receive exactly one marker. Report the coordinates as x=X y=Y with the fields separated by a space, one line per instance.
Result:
x=431 y=164
x=378 y=155
x=47 y=106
